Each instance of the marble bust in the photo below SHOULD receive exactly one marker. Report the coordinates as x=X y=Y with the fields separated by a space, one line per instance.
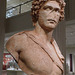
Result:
x=36 y=51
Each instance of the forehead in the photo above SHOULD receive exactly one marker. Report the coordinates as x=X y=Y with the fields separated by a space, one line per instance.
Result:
x=53 y=4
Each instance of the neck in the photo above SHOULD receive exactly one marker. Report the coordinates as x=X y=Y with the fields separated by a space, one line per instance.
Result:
x=46 y=35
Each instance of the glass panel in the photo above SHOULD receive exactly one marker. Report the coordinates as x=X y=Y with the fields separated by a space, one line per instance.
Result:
x=21 y=8
x=26 y=7
x=12 y=12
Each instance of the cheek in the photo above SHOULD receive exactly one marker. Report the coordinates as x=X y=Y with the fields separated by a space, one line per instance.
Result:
x=42 y=17
x=43 y=14
x=57 y=17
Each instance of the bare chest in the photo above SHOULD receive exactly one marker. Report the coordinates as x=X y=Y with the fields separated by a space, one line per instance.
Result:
x=37 y=59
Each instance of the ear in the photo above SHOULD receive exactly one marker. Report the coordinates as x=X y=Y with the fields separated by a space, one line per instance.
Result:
x=61 y=17
x=34 y=24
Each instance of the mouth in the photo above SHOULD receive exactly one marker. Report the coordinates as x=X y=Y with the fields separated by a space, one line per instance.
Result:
x=52 y=21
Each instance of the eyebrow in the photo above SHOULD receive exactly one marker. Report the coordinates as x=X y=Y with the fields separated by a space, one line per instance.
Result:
x=46 y=6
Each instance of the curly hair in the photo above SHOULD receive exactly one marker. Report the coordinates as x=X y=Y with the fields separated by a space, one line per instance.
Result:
x=37 y=4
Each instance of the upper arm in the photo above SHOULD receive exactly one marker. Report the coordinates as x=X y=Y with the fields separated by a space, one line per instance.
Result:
x=11 y=46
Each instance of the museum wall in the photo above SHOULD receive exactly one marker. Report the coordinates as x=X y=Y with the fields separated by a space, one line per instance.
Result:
x=71 y=9
x=70 y=50
x=2 y=30
x=70 y=33
x=70 y=45
x=19 y=22
x=70 y=12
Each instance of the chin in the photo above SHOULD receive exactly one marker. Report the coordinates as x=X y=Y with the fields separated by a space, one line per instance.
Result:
x=48 y=26
x=48 y=29
x=51 y=26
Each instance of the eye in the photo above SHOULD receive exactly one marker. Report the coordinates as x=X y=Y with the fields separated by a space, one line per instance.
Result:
x=50 y=8
x=57 y=10
x=47 y=8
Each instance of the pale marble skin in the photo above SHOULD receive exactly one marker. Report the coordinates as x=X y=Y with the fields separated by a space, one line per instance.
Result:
x=36 y=52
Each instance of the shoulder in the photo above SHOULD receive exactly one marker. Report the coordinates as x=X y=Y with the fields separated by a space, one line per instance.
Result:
x=15 y=40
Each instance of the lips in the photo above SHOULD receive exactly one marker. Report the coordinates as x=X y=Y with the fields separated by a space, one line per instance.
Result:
x=52 y=21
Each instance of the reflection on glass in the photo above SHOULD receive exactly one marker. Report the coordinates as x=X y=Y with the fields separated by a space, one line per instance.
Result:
x=21 y=8
x=9 y=63
x=12 y=12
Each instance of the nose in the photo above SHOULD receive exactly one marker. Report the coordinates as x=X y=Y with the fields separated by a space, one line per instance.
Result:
x=53 y=13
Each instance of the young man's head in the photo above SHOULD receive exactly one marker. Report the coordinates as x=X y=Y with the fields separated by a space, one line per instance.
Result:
x=37 y=4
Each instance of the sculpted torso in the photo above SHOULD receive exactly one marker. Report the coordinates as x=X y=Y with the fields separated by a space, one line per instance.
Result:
x=31 y=57
x=36 y=52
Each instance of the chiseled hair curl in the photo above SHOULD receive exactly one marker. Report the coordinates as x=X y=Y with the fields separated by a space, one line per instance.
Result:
x=37 y=4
